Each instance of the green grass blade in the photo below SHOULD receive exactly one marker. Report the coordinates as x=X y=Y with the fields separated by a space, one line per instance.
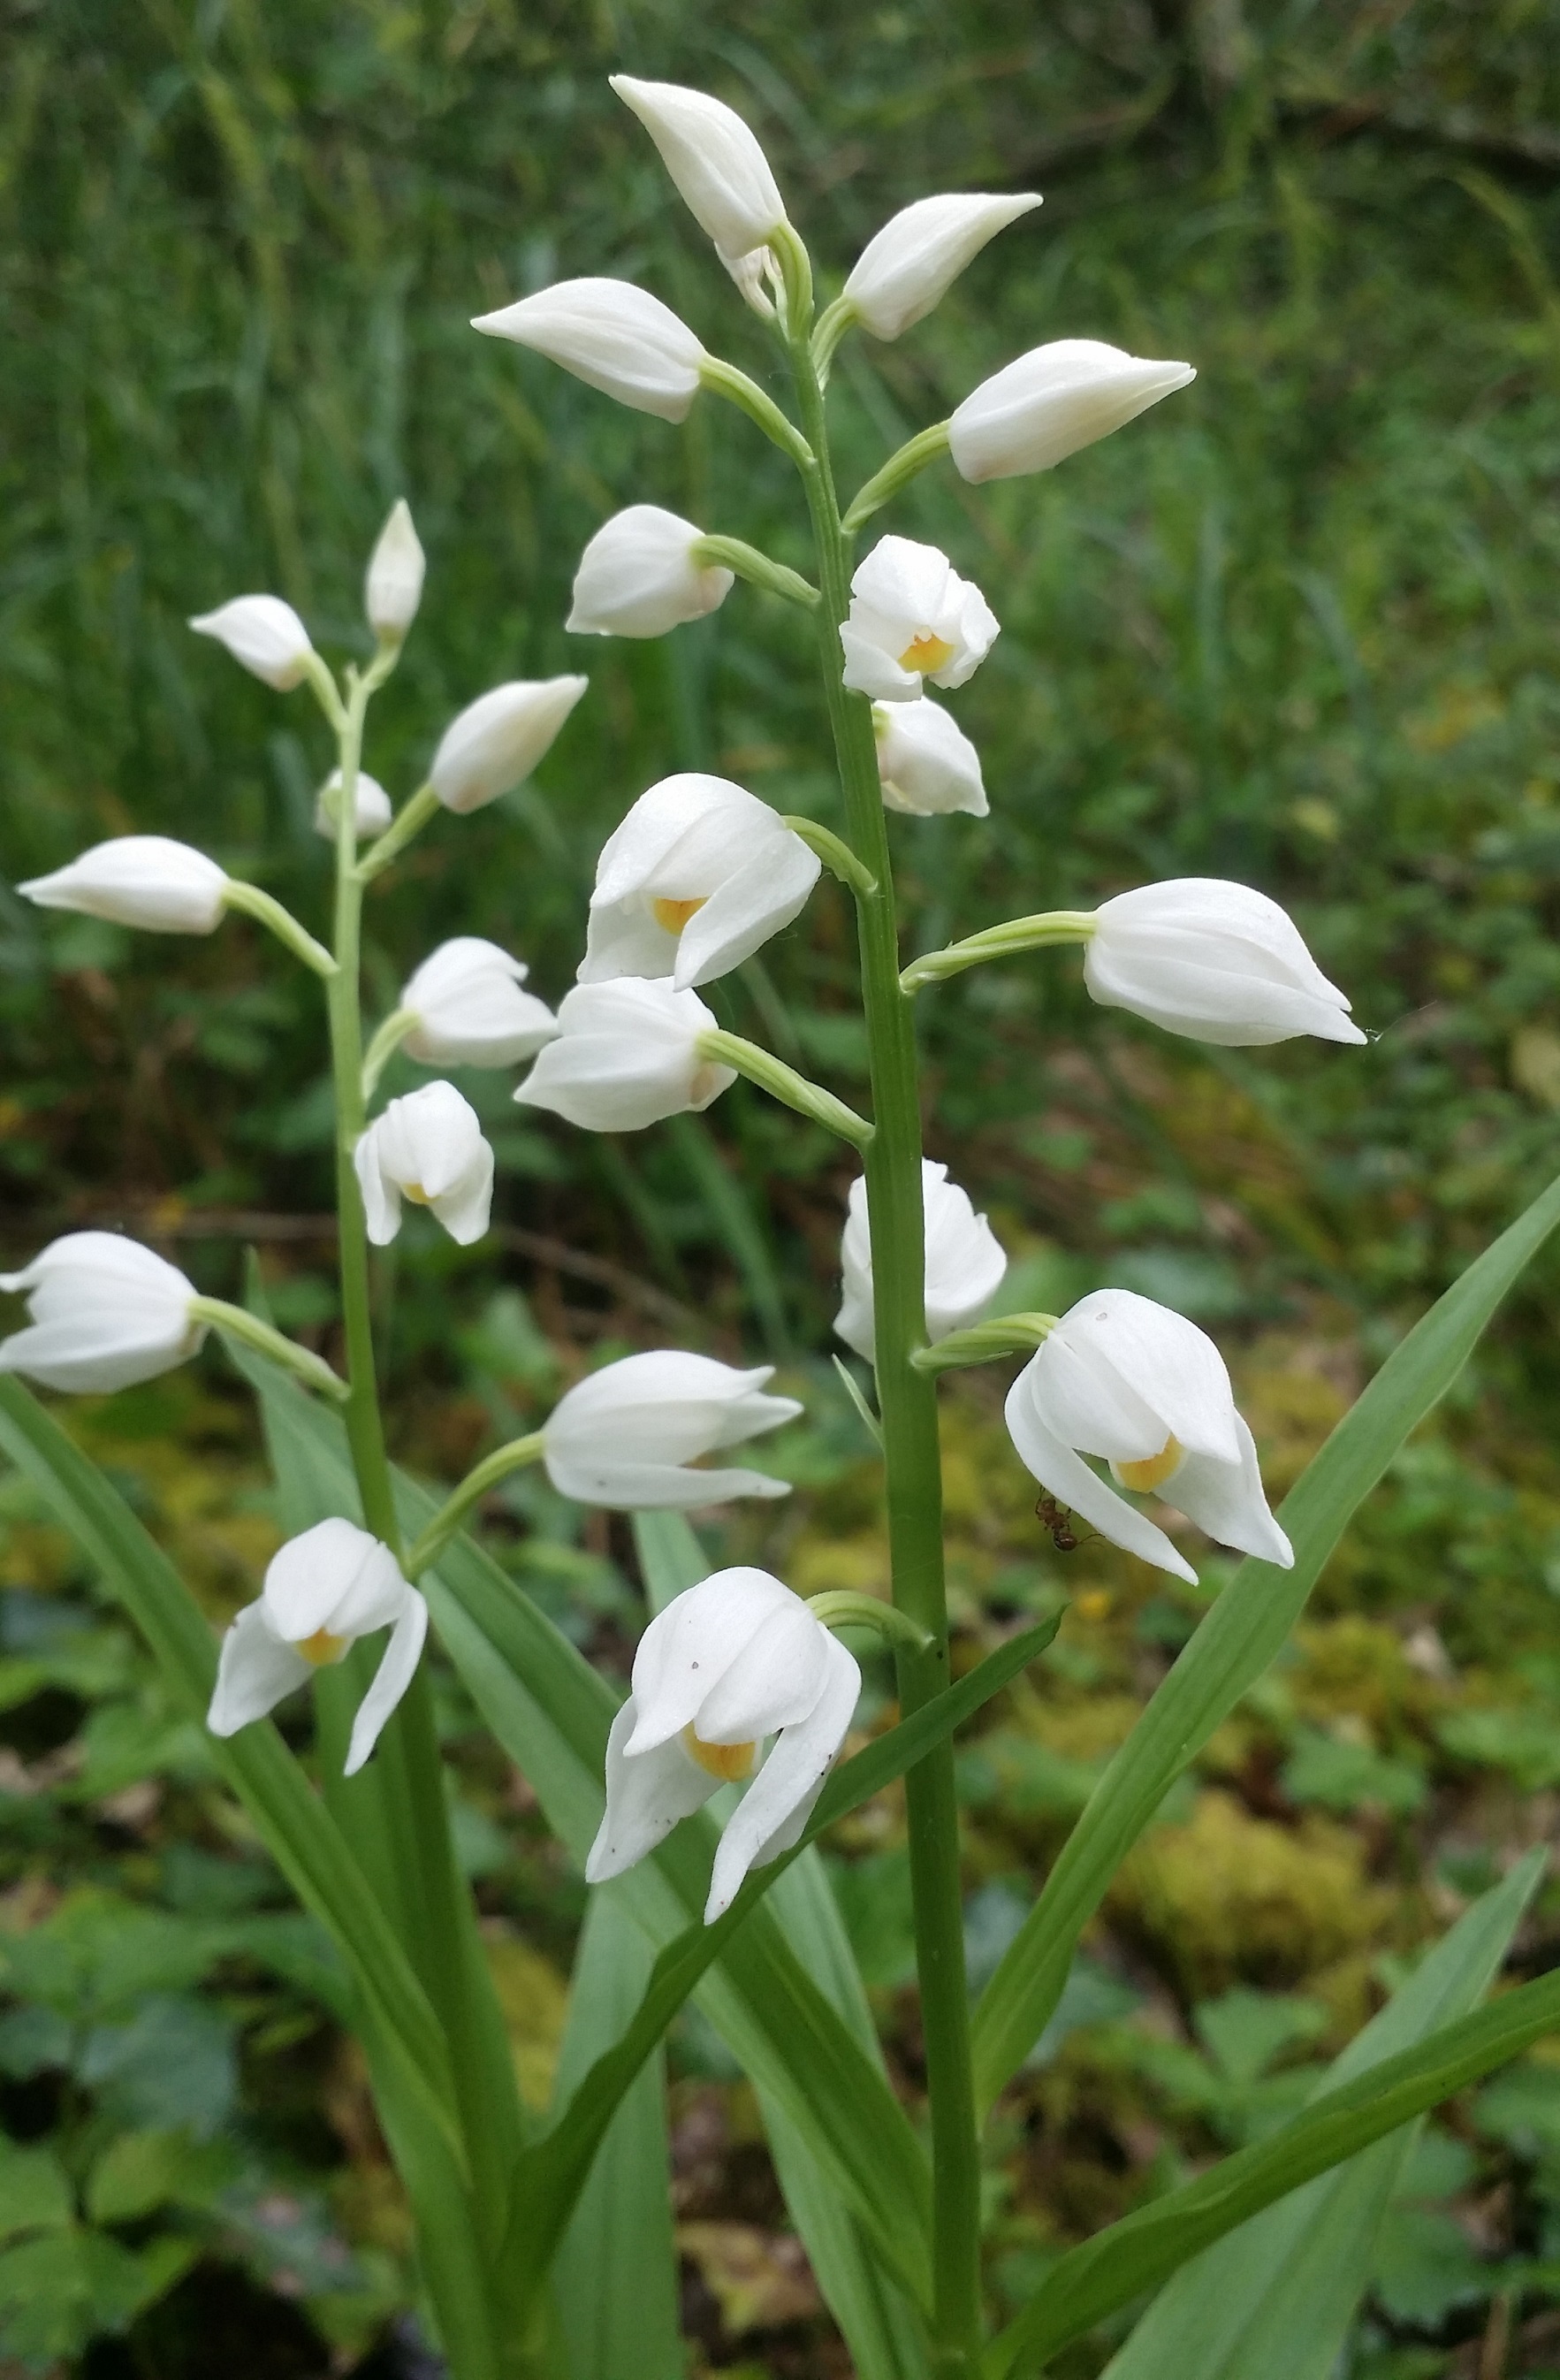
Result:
x=1235 y=1643
x=1275 y=2299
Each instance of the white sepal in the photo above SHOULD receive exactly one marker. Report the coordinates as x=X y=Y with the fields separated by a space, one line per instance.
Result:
x=496 y=741
x=370 y=802
x=626 y=1437
x=470 y=1009
x=965 y=1262
x=103 y=1313
x=392 y=587
x=1216 y=961
x=1045 y=406
x=905 y=268
x=137 y=880
x=627 y=1055
x=613 y=337
x=696 y=877
x=925 y=762
x=322 y=1591
x=721 y=173
x=427 y=1147
x=912 y=618
x=639 y=577
x=265 y=635
x=1128 y=1382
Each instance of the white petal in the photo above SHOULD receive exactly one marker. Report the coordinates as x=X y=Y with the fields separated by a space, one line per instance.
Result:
x=1047 y=403
x=927 y=765
x=106 y=1312
x=637 y=577
x=906 y=268
x=382 y=1200
x=1070 y=1480
x=392 y=587
x=714 y=159
x=646 y=1797
x=611 y=335
x=774 y=1682
x=372 y=807
x=391 y=1679
x=262 y=633
x=1226 y=1500
x=872 y=671
x=334 y=1576
x=1161 y=1357
x=137 y=880
x=780 y=1801
x=254 y=1671
x=761 y=897
x=465 y=1206
x=497 y=741
x=687 y=1648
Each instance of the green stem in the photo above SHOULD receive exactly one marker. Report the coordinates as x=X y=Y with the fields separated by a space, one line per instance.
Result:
x=311 y=1368
x=907 y=1399
x=1004 y=941
x=410 y=820
x=726 y=381
x=282 y=923
x=897 y=472
x=758 y=569
x=784 y=1082
x=832 y=325
x=842 y=1607
x=835 y=854
x=473 y=1487
x=987 y=1342
x=383 y=1046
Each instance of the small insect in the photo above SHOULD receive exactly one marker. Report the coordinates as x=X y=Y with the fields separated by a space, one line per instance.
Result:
x=1058 y=1520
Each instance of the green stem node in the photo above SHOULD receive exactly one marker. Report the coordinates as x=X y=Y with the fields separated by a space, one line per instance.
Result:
x=783 y=1083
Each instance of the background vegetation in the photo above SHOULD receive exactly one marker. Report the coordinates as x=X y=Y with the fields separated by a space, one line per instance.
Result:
x=1297 y=628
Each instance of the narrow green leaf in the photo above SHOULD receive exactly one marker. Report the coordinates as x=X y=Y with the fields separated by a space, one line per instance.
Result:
x=1234 y=1645
x=1138 y=2253
x=1274 y=2301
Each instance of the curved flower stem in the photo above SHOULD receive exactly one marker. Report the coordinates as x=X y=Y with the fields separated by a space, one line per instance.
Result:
x=907 y=1399
x=834 y=855
x=782 y=1082
x=728 y=382
x=987 y=1342
x=735 y=554
x=1004 y=941
x=311 y=1370
x=473 y=1487
x=409 y=821
x=841 y=1607
x=832 y=325
x=282 y=923
x=383 y=1046
x=897 y=472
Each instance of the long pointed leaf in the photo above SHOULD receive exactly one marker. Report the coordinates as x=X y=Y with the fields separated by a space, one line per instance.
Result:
x=1235 y=1643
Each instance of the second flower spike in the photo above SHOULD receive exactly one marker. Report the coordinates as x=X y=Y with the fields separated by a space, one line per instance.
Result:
x=696 y=877
x=912 y=618
x=427 y=1147
x=965 y=1263
x=627 y=1437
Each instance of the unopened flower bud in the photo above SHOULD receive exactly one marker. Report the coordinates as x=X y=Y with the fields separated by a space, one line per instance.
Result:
x=613 y=337
x=925 y=762
x=265 y=635
x=721 y=173
x=105 y=1313
x=470 y=1009
x=629 y=1436
x=137 y=880
x=1216 y=961
x=905 y=268
x=496 y=741
x=638 y=576
x=370 y=803
x=393 y=588
x=1047 y=403
x=627 y=1055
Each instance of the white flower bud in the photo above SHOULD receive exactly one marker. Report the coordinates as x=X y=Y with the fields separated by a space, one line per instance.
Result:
x=371 y=804
x=1216 y=961
x=470 y=1009
x=1128 y=1381
x=498 y=740
x=427 y=1147
x=639 y=577
x=721 y=173
x=1047 y=403
x=627 y=1055
x=965 y=1262
x=912 y=618
x=696 y=877
x=137 y=880
x=926 y=761
x=105 y=1313
x=322 y=1591
x=393 y=588
x=627 y=1437
x=905 y=268
x=263 y=633
x=613 y=337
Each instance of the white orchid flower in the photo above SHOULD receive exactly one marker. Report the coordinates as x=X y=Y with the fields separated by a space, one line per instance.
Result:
x=371 y=804
x=912 y=618
x=905 y=268
x=625 y=1436
x=105 y=1313
x=733 y=1661
x=1046 y=405
x=638 y=576
x=470 y=1009
x=1216 y=961
x=392 y=587
x=322 y=1592
x=613 y=337
x=720 y=172
x=265 y=635
x=925 y=762
x=698 y=875
x=496 y=741
x=137 y=880
x=627 y=1055
x=1128 y=1381
x=427 y=1147
x=964 y=1262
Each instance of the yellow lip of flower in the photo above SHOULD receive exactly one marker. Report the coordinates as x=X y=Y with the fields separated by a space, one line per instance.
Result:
x=672 y=916
x=730 y=1762
x=926 y=654
x=1153 y=1469
x=322 y=1649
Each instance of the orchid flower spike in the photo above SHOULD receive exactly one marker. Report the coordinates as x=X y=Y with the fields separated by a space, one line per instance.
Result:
x=470 y=1010
x=613 y=337
x=137 y=880
x=1047 y=403
x=638 y=576
x=628 y=1054
x=1216 y=961
x=372 y=806
x=721 y=173
x=906 y=269
x=964 y=1262
x=321 y=1592
x=698 y=875
x=925 y=762
x=393 y=588
x=733 y=1661
x=1126 y=1380
x=626 y=1437
x=496 y=741
x=427 y=1147
x=103 y=1313
x=912 y=618
x=265 y=635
